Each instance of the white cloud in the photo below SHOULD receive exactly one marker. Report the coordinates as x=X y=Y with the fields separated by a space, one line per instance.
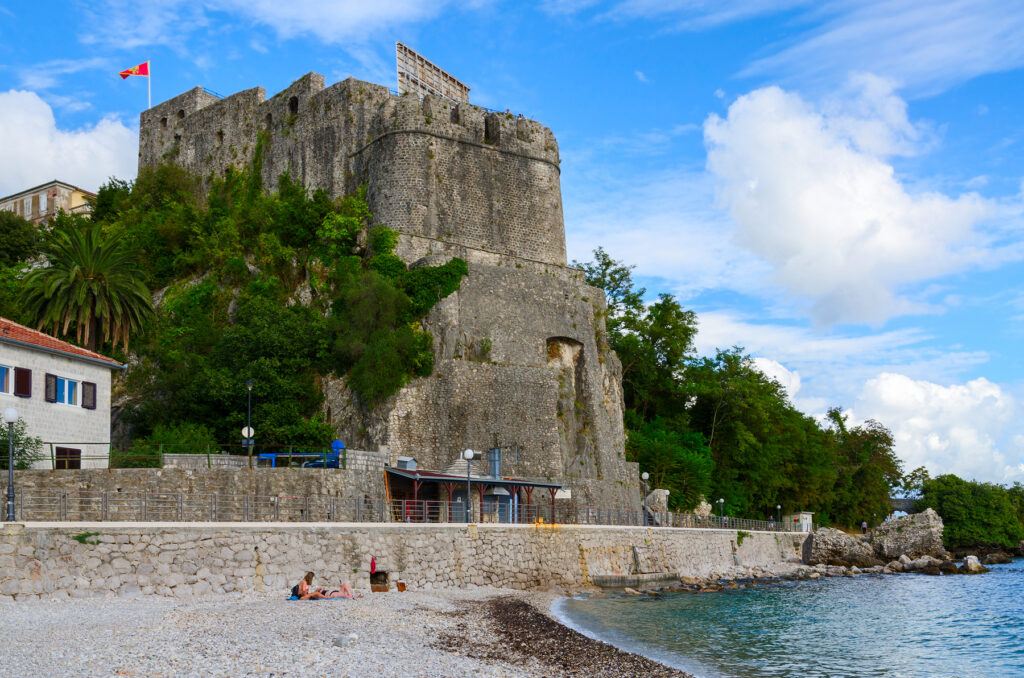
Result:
x=927 y=46
x=961 y=429
x=626 y=214
x=47 y=74
x=813 y=194
x=789 y=379
x=698 y=14
x=641 y=77
x=34 y=150
x=128 y=24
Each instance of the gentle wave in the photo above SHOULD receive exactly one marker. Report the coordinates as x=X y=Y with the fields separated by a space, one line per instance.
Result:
x=874 y=626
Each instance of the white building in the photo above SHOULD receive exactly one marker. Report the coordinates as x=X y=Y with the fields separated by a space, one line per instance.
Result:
x=41 y=203
x=61 y=391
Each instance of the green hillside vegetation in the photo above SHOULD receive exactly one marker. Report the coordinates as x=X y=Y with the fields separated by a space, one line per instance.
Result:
x=288 y=287
x=975 y=514
x=281 y=288
x=718 y=427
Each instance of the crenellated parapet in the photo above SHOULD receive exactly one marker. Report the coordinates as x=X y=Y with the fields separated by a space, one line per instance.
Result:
x=438 y=170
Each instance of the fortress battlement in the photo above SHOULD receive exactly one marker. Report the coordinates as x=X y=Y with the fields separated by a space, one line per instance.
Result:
x=454 y=180
x=436 y=169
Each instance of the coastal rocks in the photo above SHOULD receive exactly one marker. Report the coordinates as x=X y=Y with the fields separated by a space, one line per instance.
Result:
x=972 y=566
x=997 y=558
x=915 y=535
x=828 y=546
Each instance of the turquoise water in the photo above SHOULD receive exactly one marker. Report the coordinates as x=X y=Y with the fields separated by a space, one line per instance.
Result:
x=893 y=626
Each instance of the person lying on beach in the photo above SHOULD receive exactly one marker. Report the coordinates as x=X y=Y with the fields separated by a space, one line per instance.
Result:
x=302 y=590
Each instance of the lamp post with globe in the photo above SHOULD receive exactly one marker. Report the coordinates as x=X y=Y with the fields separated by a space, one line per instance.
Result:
x=10 y=416
x=644 y=476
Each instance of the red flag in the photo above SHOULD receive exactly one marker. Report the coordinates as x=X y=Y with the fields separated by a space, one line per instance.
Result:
x=373 y=565
x=141 y=69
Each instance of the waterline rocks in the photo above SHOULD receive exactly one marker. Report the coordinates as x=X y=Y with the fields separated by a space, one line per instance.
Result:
x=915 y=536
x=828 y=546
x=996 y=558
x=972 y=566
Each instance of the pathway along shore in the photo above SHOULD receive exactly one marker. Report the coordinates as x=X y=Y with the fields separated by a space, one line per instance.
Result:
x=482 y=632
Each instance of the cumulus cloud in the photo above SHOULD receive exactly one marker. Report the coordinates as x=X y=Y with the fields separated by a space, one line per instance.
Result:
x=33 y=149
x=164 y=22
x=961 y=428
x=813 y=193
x=789 y=379
x=927 y=46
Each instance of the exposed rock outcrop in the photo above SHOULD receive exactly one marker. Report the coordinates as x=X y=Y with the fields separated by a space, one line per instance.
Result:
x=828 y=546
x=997 y=558
x=915 y=535
x=972 y=566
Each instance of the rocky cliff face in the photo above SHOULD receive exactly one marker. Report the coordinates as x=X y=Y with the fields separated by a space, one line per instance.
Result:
x=828 y=546
x=912 y=537
x=915 y=535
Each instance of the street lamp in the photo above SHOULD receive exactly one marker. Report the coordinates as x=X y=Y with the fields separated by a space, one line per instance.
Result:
x=10 y=416
x=721 y=509
x=248 y=420
x=778 y=515
x=468 y=456
x=644 y=476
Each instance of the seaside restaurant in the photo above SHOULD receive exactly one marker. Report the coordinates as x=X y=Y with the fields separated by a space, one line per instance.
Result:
x=417 y=495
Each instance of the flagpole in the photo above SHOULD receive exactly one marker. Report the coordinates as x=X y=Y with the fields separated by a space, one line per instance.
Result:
x=149 y=85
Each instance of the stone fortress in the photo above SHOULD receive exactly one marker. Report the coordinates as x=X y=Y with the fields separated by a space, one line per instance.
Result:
x=521 y=357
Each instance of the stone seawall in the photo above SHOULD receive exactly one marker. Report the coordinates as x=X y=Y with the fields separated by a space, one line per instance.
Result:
x=82 y=560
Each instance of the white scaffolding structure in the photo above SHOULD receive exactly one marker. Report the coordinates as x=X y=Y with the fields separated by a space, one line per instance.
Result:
x=420 y=76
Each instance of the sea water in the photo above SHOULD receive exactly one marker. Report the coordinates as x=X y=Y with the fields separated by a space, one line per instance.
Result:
x=902 y=626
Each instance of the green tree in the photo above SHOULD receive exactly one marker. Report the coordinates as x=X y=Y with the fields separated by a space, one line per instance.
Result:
x=27 y=449
x=868 y=471
x=973 y=514
x=678 y=461
x=89 y=286
x=624 y=301
x=19 y=239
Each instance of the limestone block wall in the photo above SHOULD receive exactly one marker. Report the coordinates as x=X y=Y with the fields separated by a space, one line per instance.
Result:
x=344 y=484
x=520 y=359
x=184 y=560
x=434 y=168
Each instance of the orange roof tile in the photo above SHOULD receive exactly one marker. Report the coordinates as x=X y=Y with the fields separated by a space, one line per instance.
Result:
x=15 y=333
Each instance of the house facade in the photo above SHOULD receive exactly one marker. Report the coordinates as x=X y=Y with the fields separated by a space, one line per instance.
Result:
x=40 y=203
x=61 y=391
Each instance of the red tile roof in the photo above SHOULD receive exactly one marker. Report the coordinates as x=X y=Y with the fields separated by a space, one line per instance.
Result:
x=15 y=333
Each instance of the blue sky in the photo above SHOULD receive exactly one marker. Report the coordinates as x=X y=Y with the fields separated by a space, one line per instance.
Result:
x=835 y=186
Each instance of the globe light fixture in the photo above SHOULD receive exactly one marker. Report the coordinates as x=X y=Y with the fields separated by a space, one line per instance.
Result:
x=11 y=417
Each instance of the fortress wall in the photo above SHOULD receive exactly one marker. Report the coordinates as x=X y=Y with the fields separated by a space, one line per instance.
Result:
x=455 y=180
x=40 y=560
x=561 y=406
x=435 y=169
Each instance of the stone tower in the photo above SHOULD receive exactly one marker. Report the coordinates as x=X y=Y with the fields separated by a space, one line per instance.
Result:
x=520 y=351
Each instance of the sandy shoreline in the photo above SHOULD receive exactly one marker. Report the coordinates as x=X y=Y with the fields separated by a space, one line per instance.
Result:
x=483 y=632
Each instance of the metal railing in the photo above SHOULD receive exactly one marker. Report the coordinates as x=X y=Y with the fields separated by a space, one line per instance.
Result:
x=90 y=505
x=152 y=455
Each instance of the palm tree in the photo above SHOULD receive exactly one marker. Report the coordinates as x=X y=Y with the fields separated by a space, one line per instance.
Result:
x=90 y=281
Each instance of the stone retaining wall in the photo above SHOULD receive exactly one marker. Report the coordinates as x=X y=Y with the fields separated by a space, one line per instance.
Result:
x=348 y=484
x=183 y=560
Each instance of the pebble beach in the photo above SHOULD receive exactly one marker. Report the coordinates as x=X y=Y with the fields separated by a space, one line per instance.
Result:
x=482 y=632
